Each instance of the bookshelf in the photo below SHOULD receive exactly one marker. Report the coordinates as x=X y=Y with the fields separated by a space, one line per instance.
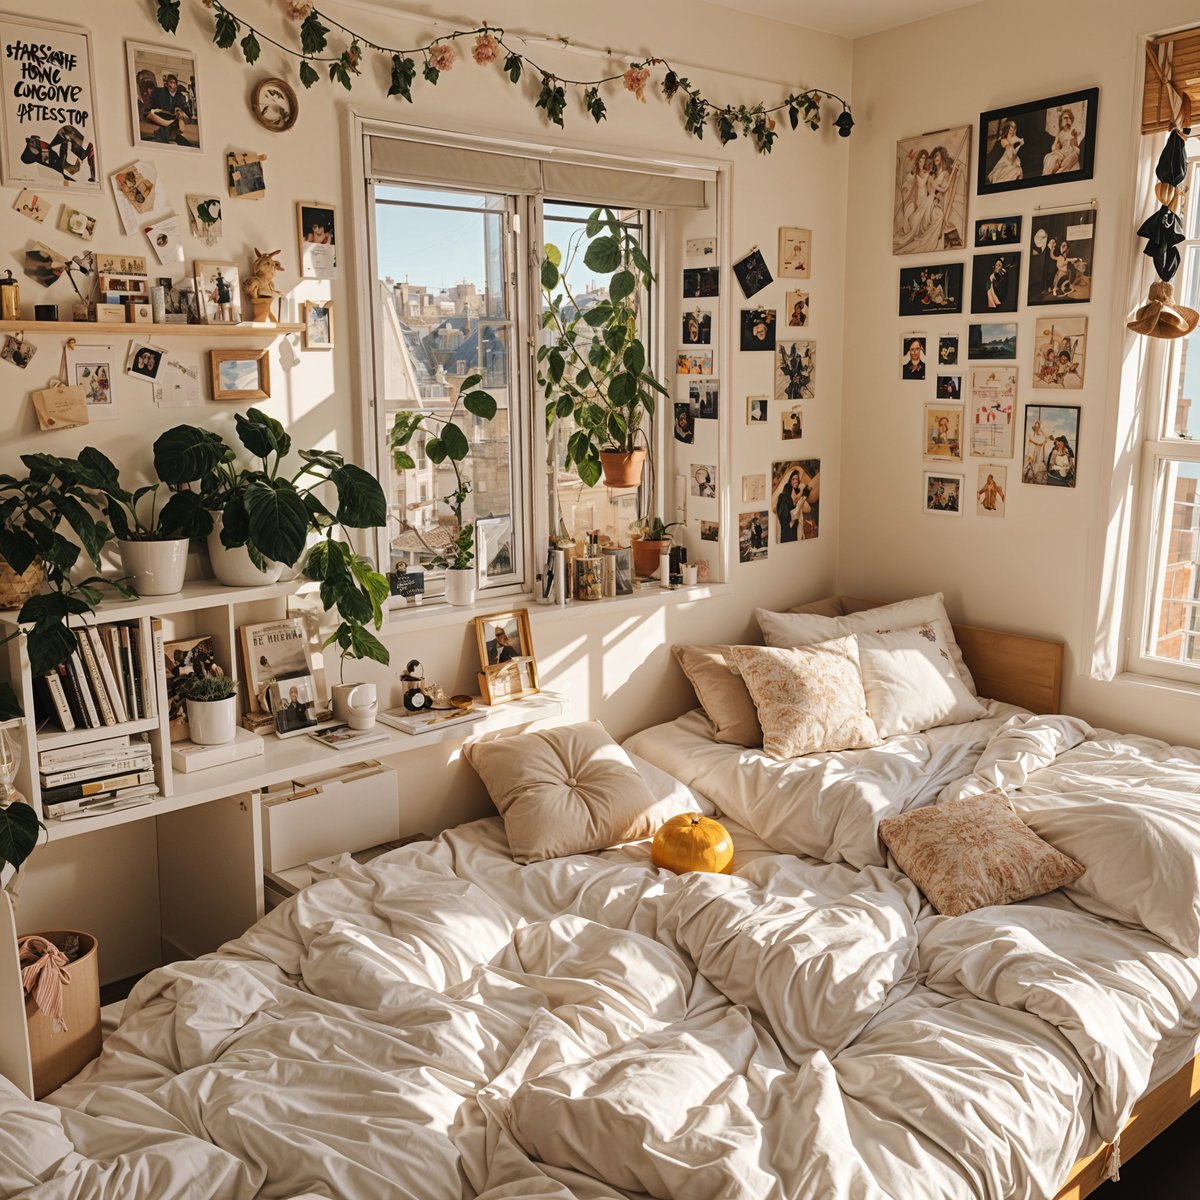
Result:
x=243 y=330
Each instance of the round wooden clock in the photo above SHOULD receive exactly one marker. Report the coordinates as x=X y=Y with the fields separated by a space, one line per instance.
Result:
x=274 y=105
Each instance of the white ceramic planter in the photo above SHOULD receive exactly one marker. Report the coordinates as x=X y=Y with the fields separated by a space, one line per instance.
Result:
x=460 y=586
x=212 y=722
x=235 y=568
x=157 y=568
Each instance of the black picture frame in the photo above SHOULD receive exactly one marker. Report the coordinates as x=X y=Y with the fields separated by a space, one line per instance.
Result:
x=996 y=281
x=931 y=288
x=1028 y=146
x=997 y=231
x=1061 y=255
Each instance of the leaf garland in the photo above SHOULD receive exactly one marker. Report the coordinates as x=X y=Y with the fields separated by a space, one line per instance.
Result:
x=342 y=62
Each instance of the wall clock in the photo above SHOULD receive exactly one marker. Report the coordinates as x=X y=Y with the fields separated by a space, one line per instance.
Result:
x=274 y=105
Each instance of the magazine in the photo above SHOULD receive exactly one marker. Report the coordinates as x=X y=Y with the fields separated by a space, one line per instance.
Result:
x=401 y=718
x=273 y=650
x=192 y=656
x=341 y=737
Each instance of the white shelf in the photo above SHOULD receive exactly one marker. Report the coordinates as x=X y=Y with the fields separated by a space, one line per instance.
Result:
x=131 y=329
x=56 y=739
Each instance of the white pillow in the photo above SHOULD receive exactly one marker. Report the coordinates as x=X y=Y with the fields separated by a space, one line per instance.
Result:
x=910 y=681
x=804 y=629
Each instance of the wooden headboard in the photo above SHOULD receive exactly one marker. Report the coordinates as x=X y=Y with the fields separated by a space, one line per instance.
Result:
x=1012 y=667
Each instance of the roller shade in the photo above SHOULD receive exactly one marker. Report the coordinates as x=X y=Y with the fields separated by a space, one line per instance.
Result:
x=1182 y=69
x=447 y=165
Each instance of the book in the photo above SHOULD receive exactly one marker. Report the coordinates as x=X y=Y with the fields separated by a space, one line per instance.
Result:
x=110 y=635
x=54 y=699
x=85 y=752
x=273 y=650
x=95 y=787
x=69 y=810
x=341 y=737
x=181 y=660
x=401 y=718
x=140 y=762
x=115 y=697
x=83 y=691
x=142 y=671
x=132 y=696
x=187 y=756
x=95 y=680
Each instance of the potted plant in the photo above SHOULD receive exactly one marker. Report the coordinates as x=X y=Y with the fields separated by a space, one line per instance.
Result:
x=211 y=708
x=593 y=371
x=448 y=443
x=650 y=538
x=271 y=515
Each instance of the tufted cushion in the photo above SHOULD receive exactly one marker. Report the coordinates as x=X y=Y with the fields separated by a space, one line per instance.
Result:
x=969 y=853
x=722 y=694
x=808 y=699
x=567 y=791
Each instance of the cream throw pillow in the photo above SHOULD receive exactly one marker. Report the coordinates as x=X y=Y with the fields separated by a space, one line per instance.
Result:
x=910 y=681
x=804 y=629
x=567 y=791
x=969 y=853
x=722 y=694
x=808 y=699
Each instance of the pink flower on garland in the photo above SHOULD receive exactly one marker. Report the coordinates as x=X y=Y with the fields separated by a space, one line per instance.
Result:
x=296 y=10
x=442 y=56
x=635 y=81
x=486 y=49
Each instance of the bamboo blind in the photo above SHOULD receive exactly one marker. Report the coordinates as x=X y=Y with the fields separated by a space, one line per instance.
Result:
x=1185 y=73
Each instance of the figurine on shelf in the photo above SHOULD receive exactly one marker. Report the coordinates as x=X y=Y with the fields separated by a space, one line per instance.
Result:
x=260 y=288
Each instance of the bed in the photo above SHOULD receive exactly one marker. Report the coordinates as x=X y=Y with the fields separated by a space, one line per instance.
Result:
x=446 y=1022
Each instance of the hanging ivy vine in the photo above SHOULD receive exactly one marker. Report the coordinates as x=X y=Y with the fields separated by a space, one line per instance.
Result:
x=327 y=46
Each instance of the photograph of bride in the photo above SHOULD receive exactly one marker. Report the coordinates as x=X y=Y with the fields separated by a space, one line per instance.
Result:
x=930 y=207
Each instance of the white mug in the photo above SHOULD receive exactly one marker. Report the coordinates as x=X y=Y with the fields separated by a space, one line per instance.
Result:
x=691 y=572
x=355 y=704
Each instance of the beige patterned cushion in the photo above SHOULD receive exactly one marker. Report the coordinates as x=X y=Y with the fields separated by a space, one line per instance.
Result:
x=808 y=699
x=969 y=853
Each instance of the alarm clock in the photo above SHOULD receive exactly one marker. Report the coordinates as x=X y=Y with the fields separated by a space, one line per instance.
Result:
x=415 y=699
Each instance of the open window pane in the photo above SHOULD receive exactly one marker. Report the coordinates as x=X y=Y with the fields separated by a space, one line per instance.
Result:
x=1174 y=632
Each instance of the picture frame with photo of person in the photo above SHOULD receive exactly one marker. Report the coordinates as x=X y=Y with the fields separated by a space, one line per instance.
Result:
x=795 y=252
x=1051 y=445
x=932 y=288
x=912 y=357
x=507 y=661
x=316 y=232
x=1059 y=352
x=1061 y=248
x=943 y=432
x=702 y=480
x=704 y=399
x=292 y=702
x=697 y=328
x=753 y=537
x=758 y=329
x=949 y=387
x=796 y=500
x=685 y=422
x=797 y=310
x=996 y=281
x=929 y=208
x=218 y=292
x=1038 y=143
x=943 y=493
x=164 y=100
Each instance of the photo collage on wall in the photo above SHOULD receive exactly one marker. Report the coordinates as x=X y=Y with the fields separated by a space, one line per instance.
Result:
x=1010 y=274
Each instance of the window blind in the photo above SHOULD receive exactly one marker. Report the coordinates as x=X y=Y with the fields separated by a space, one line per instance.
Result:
x=1182 y=69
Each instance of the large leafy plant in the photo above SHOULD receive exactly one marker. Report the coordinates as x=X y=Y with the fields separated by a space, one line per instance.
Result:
x=593 y=370
x=446 y=443
x=271 y=509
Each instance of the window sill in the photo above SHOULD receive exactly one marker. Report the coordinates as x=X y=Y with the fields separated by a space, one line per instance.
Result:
x=437 y=614
x=1159 y=683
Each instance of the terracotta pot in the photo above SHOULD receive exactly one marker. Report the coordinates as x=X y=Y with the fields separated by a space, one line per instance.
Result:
x=645 y=556
x=621 y=469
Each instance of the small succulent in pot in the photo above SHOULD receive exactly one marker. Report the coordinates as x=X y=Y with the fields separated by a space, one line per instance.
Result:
x=211 y=708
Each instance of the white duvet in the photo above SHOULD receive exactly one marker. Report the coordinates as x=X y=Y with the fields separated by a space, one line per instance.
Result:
x=444 y=1023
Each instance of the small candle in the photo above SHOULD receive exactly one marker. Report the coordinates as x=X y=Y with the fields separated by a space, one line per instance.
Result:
x=664 y=568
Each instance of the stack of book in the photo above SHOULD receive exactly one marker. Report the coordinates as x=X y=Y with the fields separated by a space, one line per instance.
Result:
x=97 y=776
x=106 y=681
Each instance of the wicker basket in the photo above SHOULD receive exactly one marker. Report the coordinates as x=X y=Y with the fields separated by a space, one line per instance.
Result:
x=16 y=589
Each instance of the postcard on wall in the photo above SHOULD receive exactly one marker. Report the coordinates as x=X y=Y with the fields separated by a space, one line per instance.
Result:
x=947 y=351
x=244 y=177
x=204 y=218
x=929 y=211
x=29 y=204
x=1000 y=231
x=77 y=224
x=912 y=357
x=791 y=423
x=1060 y=257
x=756 y=410
x=795 y=253
x=700 y=247
x=1038 y=142
x=758 y=329
x=140 y=200
x=702 y=480
x=710 y=531
x=797 y=309
x=177 y=385
x=697 y=328
x=943 y=494
x=694 y=362
x=1051 y=444
x=995 y=282
x=754 y=487
x=796 y=371
x=317 y=228
x=95 y=369
x=993 y=407
x=752 y=536
x=988 y=341
x=949 y=387
x=990 y=498
x=701 y=282
x=166 y=239
x=752 y=273
x=685 y=423
x=1059 y=349
x=47 y=146
x=704 y=399
x=937 y=288
x=164 y=103
x=943 y=432
x=796 y=499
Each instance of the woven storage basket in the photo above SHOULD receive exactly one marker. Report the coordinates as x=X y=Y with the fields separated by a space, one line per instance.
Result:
x=16 y=589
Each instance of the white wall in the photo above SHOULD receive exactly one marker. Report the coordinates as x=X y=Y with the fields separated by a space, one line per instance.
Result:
x=1036 y=570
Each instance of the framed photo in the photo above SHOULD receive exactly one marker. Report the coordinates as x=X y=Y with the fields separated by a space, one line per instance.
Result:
x=758 y=329
x=697 y=328
x=703 y=480
x=943 y=432
x=1060 y=256
x=912 y=357
x=48 y=146
x=943 y=494
x=998 y=231
x=1059 y=349
x=756 y=410
x=796 y=310
x=618 y=562
x=796 y=370
x=796 y=499
x=995 y=282
x=494 y=551
x=218 y=292
x=318 y=325
x=791 y=423
x=988 y=341
x=163 y=99
x=937 y=288
x=752 y=536
x=509 y=668
x=94 y=368
x=710 y=531
x=993 y=406
x=752 y=273
x=949 y=387
x=947 y=351
x=694 y=362
x=795 y=253
x=1051 y=444
x=992 y=483
x=701 y=282
x=1039 y=142
x=316 y=226
x=273 y=650
x=240 y=374
x=929 y=210
x=292 y=701
x=704 y=399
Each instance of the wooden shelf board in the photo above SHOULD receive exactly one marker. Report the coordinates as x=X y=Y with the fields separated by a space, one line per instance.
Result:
x=57 y=738
x=128 y=328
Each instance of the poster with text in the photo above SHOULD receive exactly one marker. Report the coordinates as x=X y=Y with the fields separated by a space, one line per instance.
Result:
x=48 y=124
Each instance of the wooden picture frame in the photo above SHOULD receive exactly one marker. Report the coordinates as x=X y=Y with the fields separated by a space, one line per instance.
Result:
x=157 y=119
x=318 y=325
x=218 y=291
x=231 y=378
x=1036 y=144
x=509 y=668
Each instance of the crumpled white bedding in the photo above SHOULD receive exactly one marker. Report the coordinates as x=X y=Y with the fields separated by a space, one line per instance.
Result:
x=444 y=1023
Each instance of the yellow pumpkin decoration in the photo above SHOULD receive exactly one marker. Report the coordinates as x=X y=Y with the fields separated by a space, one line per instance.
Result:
x=691 y=842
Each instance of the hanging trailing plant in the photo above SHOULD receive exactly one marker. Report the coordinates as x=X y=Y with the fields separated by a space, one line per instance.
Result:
x=327 y=46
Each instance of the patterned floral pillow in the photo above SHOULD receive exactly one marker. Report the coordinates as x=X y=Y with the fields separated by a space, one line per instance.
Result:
x=969 y=853
x=808 y=699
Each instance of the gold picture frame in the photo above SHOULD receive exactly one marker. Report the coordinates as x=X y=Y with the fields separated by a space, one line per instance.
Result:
x=508 y=665
x=318 y=325
x=240 y=374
